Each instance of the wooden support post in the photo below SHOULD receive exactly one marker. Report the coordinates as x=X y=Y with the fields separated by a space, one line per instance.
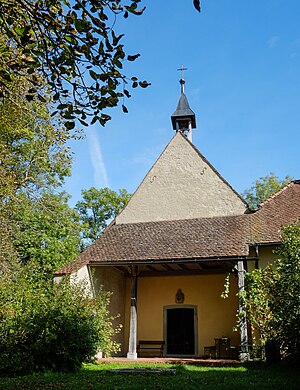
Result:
x=132 y=354
x=244 y=352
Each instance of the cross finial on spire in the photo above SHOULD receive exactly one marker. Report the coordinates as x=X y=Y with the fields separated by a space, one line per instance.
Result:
x=182 y=81
x=182 y=71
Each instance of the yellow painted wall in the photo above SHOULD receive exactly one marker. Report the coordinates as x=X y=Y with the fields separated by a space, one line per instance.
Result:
x=216 y=316
x=112 y=280
x=266 y=256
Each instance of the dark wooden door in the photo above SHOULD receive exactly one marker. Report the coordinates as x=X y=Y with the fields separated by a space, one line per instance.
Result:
x=180 y=331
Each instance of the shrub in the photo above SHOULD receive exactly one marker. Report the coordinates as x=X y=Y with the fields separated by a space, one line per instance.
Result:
x=272 y=297
x=49 y=326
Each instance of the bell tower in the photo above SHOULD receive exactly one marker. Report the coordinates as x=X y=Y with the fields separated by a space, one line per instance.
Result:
x=183 y=119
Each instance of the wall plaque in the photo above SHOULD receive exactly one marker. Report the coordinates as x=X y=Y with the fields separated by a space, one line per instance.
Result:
x=179 y=297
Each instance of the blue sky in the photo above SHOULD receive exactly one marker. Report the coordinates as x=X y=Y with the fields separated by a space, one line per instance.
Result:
x=243 y=83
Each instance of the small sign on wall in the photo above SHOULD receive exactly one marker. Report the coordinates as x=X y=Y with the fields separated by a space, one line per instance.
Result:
x=179 y=297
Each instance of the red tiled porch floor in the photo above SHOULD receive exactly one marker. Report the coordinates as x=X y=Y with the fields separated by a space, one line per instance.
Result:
x=158 y=360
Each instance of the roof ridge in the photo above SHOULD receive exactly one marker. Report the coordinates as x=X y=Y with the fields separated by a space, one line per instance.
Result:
x=165 y=221
x=271 y=197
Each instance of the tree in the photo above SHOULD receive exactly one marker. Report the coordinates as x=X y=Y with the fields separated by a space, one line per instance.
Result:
x=263 y=188
x=34 y=157
x=34 y=152
x=98 y=208
x=47 y=232
x=75 y=48
x=43 y=326
x=272 y=296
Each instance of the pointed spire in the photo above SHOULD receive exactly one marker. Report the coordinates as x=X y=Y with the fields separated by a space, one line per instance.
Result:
x=183 y=119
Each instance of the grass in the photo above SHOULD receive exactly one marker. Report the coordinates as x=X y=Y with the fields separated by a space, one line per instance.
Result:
x=98 y=376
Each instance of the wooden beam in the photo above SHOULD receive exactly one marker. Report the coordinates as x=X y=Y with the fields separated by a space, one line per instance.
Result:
x=124 y=270
x=132 y=353
x=244 y=354
x=151 y=268
x=182 y=272
x=168 y=268
x=183 y=266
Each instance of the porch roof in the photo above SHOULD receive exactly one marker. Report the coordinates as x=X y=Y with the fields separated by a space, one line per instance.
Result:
x=154 y=242
x=220 y=239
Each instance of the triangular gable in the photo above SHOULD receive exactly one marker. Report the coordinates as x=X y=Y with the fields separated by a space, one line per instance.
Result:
x=181 y=184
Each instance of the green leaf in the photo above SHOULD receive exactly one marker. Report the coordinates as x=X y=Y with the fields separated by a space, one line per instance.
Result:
x=69 y=125
x=83 y=122
x=126 y=93
x=197 y=5
x=94 y=120
x=93 y=74
x=116 y=39
x=144 y=84
x=41 y=98
x=79 y=24
x=118 y=63
x=21 y=31
x=133 y=58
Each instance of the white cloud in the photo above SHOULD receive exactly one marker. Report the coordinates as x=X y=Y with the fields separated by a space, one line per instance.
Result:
x=96 y=156
x=272 y=41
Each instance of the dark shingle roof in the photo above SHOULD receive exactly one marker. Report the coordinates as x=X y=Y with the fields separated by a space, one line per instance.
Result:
x=201 y=238
x=183 y=110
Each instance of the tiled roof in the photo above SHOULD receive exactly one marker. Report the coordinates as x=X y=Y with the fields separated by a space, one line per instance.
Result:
x=180 y=239
x=203 y=238
x=279 y=210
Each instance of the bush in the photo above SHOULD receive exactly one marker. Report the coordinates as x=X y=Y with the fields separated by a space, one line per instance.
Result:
x=272 y=297
x=49 y=326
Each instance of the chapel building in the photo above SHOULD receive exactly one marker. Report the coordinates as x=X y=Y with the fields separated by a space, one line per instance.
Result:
x=166 y=255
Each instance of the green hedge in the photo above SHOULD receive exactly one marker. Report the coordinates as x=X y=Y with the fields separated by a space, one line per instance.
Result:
x=49 y=326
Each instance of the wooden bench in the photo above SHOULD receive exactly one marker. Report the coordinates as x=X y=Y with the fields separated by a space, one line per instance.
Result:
x=151 y=345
